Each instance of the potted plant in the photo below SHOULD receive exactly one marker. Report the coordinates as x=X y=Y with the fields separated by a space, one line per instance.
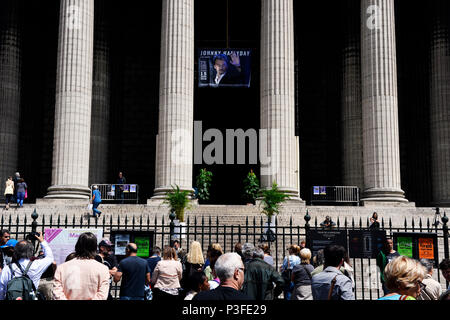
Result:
x=272 y=199
x=203 y=184
x=251 y=187
x=178 y=201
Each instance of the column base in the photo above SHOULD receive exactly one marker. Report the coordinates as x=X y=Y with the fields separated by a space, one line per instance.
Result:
x=384 y=195
x=68 y=193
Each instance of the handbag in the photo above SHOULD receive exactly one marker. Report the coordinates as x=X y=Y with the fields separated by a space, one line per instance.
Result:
x=148 y=294
x=90 y=206
x=333 y=283
x=26 y=194
x=286 y=275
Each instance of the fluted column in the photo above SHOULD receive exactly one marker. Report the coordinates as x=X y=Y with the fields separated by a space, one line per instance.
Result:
x=98 y=169
x=10 y=79
x=440 y=103
x=351 y=111
x=176 y=98
x=278 y=97
x=70 y=170
x=380 y=102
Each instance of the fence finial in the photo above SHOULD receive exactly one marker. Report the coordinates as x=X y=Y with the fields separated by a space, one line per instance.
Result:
x=444 y=219
x=34 y=216
x=307 y=217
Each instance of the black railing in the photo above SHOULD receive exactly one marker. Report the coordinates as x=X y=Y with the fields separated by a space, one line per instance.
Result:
x=206 y=230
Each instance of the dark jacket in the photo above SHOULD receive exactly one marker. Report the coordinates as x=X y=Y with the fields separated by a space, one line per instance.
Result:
x=259 y=279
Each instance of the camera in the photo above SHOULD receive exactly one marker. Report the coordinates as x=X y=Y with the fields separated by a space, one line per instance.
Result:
x=32 y=235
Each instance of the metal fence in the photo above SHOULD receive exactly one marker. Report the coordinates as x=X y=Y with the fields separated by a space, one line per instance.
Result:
x=207 y=230
x=335 y=194
x=118 y=193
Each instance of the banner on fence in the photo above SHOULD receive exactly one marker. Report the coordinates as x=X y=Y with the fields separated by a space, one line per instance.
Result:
x=405 y=246
x=319 y=239
x=62 y=241
x=365 y=243
x=144 y=241
x=417 y=245
x=426 y=248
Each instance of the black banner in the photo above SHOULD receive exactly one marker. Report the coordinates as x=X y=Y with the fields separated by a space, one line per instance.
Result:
x=224 y=67
x=365 y=243
x=319 y=239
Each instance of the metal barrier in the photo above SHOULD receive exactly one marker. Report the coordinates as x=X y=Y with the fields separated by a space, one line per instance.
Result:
x=334 y=194
x=118 y=193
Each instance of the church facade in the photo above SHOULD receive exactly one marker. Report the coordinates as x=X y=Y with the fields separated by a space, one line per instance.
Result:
x=353 y=94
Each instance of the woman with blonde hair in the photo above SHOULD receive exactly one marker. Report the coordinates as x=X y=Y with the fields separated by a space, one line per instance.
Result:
x=166 y=276
x=194 y=262
x=9 y=191
x=301 y=277
x=403 y=278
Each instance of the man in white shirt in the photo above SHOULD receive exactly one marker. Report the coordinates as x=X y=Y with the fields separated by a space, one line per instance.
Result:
x=432 y=289
x=23 y=252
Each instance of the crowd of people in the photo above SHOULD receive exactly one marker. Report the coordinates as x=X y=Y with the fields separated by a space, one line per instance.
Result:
x=172 y=274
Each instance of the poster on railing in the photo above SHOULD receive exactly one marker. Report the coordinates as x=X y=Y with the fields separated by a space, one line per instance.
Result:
x=120 y=244
x=405 y=246
x=365 y=243
x=417 y=245
x=319 y=239
x=62 y=240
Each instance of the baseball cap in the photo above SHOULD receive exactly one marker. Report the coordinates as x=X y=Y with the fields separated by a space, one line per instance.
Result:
x=10 y=243
x=105 y=243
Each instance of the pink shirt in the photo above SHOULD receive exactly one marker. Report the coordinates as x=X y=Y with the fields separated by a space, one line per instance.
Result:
x=167 y=274
x=80 y=279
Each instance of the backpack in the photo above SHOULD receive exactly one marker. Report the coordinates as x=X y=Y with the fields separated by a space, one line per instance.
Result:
x=21 y=288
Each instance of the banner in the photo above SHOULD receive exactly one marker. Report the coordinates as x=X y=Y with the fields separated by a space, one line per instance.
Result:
x=405 y=246
x=224 y=67
x=143 y=244
x=62 y=241
x=426 y=248
x=417 y=245
x=144 y=241
x=319 y=239
x=365 y=243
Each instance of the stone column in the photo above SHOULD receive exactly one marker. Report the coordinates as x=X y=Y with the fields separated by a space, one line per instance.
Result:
x=380 y=102
x=70 y=174
x=98 y=169
x=440 y=103
x=351 y=112
x=174 y=142
x=10 y=80
x=278 y=98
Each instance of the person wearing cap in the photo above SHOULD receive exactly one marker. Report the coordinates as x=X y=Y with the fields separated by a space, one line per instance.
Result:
x=7 y=252
x=106 y=257
x=23 y=254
